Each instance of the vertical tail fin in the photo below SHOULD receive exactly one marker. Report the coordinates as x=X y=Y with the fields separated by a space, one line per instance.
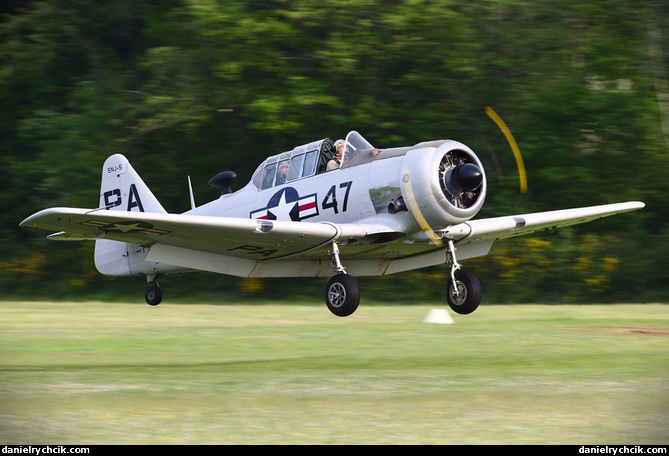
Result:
x=122 y=190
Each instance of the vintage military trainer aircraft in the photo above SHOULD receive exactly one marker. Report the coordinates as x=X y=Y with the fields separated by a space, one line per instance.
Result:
x=379 y=211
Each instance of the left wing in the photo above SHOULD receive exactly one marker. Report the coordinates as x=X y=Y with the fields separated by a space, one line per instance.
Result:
x=228 y=236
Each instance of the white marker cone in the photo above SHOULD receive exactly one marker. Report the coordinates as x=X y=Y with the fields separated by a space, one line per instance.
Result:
x=438 y=316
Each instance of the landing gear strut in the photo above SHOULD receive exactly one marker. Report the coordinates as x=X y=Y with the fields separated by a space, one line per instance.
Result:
x=342 y=294
x=464 y=289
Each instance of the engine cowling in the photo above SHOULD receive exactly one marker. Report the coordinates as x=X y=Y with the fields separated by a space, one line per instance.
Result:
x=444 y=185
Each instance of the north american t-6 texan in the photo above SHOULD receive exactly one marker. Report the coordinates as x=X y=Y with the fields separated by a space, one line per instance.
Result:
x=324 y=209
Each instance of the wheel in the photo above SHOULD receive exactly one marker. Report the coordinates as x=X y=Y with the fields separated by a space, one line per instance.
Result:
x=468 y=295
x=342 y=295
x=153 y=295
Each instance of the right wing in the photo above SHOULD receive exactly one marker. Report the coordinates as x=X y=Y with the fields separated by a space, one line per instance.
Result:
x=517 y=225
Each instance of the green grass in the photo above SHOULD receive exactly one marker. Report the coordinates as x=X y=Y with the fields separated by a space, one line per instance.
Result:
x=97 y=373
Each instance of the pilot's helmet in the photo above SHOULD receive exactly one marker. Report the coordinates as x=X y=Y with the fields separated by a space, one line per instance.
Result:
x=339 y=142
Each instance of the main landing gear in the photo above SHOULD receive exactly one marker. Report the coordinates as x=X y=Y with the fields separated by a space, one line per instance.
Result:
x=342 y=294
x=464 y=289
x=153 y=294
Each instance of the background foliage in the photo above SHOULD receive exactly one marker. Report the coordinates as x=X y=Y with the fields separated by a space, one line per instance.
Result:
x=194 y=87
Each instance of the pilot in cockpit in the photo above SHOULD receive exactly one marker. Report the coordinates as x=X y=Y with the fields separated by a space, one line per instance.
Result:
x=336 y=162
x=282 y=173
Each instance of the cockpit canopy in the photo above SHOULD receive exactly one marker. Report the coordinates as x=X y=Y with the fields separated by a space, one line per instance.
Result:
x=304 y=161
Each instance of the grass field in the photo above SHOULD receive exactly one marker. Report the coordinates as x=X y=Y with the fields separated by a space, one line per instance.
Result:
x=97 y=373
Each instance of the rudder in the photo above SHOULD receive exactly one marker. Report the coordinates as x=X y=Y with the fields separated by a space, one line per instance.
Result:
x=121 y=190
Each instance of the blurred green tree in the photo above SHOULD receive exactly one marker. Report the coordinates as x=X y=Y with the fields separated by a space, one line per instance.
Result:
x=193 y=87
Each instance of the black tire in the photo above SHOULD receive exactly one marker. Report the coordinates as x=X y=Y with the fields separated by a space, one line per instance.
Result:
x=342 y=295
x=153 y=295
x=469 y=296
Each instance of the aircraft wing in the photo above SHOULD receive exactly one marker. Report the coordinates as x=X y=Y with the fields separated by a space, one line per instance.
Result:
x=517 y=225
x=241 y=246
x=227 y=236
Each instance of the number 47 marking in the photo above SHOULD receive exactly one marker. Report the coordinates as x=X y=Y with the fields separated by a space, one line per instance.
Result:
x=330 y=200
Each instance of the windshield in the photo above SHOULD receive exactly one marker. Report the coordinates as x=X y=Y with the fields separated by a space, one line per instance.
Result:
x=357 y=142
x=354 y=143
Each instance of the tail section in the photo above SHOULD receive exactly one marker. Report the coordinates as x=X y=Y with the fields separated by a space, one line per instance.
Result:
x=122 y=190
